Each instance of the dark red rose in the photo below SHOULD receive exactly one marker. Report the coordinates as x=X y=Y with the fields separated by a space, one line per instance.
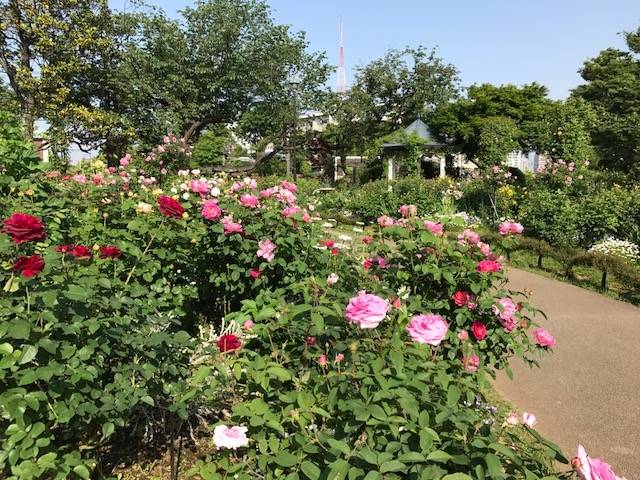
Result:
x=461 y=298
x=170 y=207
x=81 y=252
x=63 y=248
x=310 y=341
x=479 y=330
x=229 y=343
x=367 y=240
x=23 y=227
x=110 y=251
x=29 y=267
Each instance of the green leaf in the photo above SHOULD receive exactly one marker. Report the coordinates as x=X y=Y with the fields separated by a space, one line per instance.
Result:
x=453 y=395
x=107 y=430
x=439 y=456
x=82 y=471
x=310 y=470
x=286 y=459
x=20 y=329
x=6 y=349
x=29 y=352
x=457 y=476
x=494 y=467
x=392 y=466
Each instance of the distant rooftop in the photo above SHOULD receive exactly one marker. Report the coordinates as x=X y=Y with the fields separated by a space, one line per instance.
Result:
x=419 y=128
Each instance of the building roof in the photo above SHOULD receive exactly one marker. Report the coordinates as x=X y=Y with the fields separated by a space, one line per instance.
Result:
x=419 y=128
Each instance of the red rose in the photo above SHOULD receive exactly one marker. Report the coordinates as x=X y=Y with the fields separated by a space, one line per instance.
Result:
x=81 y=252
x=110 y=251
x=488 y=266
x=24 y=228
x=229 y=343
x=479 y=330
x=367 y=240
x=335 y=251
x=460 y=298
x=327 y=243
x=29 y=266
x=63 y=248
x=255 y=273
x=170 y=207
x=310 y=341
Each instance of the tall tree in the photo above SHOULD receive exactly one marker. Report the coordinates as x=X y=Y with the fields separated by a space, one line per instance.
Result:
x=43 y=45
x=613 y=88
x=488 y=110
x=223 y=59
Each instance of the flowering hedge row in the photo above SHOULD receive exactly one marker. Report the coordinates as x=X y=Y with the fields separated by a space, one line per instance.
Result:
x=207 y=309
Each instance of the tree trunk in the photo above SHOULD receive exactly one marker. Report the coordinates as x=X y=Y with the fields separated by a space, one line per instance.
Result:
x=540 y=262
x=603 y=281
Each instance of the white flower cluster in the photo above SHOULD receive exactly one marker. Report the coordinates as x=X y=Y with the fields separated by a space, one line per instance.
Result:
x=617 y=248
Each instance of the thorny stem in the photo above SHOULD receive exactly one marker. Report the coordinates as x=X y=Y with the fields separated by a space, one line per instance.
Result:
x=153 y=237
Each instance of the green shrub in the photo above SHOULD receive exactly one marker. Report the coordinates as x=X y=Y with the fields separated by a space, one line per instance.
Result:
x=550 y=216
x=602 y=214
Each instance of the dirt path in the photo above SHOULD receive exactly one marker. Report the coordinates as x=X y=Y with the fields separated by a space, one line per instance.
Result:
x=588 y=390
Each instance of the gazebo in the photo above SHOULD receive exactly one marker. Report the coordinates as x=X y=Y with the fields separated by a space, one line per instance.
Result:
x=430 y=144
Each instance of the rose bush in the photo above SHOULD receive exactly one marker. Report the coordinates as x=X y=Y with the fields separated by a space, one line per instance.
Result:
x=209 y=309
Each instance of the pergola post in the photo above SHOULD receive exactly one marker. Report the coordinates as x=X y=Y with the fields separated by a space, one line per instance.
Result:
x=443 y=166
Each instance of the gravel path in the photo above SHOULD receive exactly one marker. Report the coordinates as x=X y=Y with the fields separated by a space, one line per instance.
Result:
x=588 y=390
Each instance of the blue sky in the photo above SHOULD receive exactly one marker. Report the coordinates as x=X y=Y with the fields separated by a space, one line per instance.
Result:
x=496 y=41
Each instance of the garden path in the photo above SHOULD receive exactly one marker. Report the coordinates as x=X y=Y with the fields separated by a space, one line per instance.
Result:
x=588 y=390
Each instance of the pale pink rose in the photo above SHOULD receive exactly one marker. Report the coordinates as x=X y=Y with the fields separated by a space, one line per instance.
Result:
x=236 y=187
x=396 y=303
x=366 y=310
x=248 y=324
x=199 y=186
x=266 y=249
x=510 y=228
x=471 y=363
x=97 y=179
x=287 y=212
x=485 y=249
x=512 y=419
x=339 y=357
x=211 y=210
x=322 y=360
x=408 y=211
x=469 y=237
x=306 y=218
x=430 y=329
x=124 y=161
x=292 y=187
x=385 y=221
x=506 y=311
x=592 y=468
x=529 y=419
x=382 y=262
x=435 y=228
x=332 y=279
x=79 y=178
x=285 y=196
x=463 y=335
x=268 y=192
x=544 y=338
x=230 y=226
x=249 y=201
x=234 y=437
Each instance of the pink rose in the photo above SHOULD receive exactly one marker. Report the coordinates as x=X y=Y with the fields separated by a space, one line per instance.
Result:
x=255 y=273
x=124 y=161
x=234 y=437
x=512 y=419
x=268 y=192
x=385 y=221
x=230 y=226
x=266 y=250
x=463 y=335
x=249 y=201
x=366 y=310
x=248 y=325
x=199 y=186
x=289 y=186
x=463 y=298
x=510 y=228
x=471 y=363
x=435 y=228
x=367 y=263
x=339 y=357
x=544 y=338
x=468 y=237
x=408 y=211
x=485 y=266
x=211 y=210
x=322 y=360
x=529 y=419
x=592 y=468
x=287 y=212
x=430 y=329
x=505 y=310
